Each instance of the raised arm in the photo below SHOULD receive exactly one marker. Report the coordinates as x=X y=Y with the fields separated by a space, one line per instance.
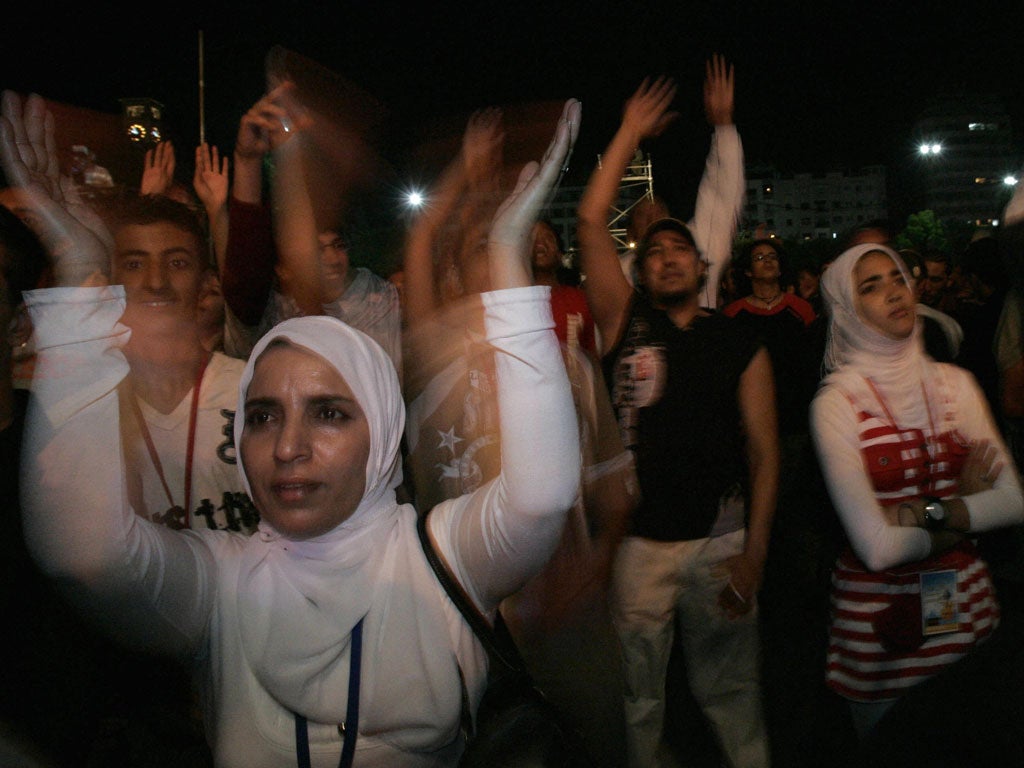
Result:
x=608 y=292
x=483 y=135
x=502 y=534
x=723 y=186
x=295 y=228
x=144 y=582
x=247 y=274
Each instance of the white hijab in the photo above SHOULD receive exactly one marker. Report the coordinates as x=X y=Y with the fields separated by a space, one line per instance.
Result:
x=298 y=601
x=855 y=351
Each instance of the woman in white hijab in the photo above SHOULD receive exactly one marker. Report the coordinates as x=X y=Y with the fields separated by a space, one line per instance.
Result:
x=330 y=614
x=915 y=468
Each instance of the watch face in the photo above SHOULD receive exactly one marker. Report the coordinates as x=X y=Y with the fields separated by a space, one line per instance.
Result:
x=934 y=513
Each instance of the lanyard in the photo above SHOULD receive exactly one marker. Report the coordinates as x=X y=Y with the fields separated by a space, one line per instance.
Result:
x=351 y=725
x=892 y=420
x=190 y=447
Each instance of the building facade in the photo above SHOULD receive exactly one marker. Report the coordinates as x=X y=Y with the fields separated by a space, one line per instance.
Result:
x=810 y=206
x=966 y=157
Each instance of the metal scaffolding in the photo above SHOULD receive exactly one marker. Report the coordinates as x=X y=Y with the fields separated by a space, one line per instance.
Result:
x=636 y=185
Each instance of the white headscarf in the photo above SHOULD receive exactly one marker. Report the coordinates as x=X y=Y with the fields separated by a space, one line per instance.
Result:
x=298 y=601
x=855 y=349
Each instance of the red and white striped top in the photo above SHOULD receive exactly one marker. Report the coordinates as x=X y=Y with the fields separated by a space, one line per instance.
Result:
x=877 y=647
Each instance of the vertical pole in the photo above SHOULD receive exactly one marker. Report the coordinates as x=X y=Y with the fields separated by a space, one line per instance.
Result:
x=202 y=94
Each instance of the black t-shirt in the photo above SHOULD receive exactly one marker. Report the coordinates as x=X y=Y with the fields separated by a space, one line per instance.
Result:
x=675 y=394
x=796 y=363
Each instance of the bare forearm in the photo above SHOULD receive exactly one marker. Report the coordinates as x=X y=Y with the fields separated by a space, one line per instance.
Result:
x=764 y=487
x=248 y=182
x=606 y=287
x=296 y=232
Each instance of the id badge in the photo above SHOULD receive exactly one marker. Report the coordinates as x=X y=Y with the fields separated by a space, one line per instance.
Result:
x=939 y=613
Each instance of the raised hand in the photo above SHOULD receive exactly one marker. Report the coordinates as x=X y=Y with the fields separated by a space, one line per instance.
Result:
x=718 y=91
x=211 y=178
x=646 y=111
x=267 y=125
x=509 y=238
x=158 y=169
x=482 y=145
x=74 y=235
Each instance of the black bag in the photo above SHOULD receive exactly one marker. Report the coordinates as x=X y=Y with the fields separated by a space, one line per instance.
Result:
x=516 y=725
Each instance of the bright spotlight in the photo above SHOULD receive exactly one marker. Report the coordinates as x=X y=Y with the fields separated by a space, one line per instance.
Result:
x=414 y=199
x=925 y=149
x=1010 y=181
x=936 y=149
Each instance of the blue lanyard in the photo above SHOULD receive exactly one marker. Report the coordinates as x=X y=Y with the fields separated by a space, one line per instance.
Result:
x=350 y=729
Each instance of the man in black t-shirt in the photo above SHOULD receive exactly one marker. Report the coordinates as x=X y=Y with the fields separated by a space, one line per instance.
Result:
x=695 y=398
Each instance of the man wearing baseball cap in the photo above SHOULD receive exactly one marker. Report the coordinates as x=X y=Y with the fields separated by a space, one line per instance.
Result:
x=694 y=396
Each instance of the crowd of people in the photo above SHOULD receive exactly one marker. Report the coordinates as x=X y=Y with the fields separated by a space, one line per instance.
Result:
x=734 y=510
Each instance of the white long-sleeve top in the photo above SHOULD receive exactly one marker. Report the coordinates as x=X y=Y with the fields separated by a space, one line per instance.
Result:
x=717 y=210
x=719 y=206
x=836 y=430
x=177 y=591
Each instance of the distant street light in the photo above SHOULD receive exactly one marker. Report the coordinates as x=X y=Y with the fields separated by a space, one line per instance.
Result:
x=414 y=199
x=1010 y=181
x=930 y=149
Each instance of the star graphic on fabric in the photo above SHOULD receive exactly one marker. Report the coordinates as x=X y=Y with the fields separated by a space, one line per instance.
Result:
x=448 y=439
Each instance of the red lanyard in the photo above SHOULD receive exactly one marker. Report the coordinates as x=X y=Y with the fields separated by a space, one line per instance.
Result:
x=189 y=450
x=931 y=422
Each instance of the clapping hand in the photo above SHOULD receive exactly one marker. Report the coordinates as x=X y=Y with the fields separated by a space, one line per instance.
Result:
x=73 y=233
x=509 y=238
x=482 y=146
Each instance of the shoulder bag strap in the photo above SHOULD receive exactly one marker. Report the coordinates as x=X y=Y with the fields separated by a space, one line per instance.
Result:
x=497 y=640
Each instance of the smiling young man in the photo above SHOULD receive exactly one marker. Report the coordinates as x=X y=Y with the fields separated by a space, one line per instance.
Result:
x=178 y=403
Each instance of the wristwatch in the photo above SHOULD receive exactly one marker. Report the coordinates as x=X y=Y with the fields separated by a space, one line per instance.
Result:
x=935 y=514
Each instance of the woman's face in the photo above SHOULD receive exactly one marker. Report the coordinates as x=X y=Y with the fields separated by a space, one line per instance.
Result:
x=884 y=301
x=764 y=263
x=305 y=443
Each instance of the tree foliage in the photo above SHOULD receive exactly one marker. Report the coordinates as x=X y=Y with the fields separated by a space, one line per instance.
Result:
x=924 y=232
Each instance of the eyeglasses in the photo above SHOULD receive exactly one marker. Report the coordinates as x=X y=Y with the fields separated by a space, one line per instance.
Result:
x=337 y=244
x=766 y=257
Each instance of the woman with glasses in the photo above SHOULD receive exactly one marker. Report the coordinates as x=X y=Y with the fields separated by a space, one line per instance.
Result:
x=794 y=591
x=780 y=319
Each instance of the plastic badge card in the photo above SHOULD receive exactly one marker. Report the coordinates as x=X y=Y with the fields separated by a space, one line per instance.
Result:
x=939 y=603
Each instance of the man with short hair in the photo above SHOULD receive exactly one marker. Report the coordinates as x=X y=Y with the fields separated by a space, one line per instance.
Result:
x=178 y=402
x=695 y=398
x=935 y=281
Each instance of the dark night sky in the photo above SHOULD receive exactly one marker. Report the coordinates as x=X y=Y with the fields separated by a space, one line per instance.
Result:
x=819 y=85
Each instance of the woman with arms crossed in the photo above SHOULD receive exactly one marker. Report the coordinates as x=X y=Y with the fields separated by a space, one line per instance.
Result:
x=915 y=468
